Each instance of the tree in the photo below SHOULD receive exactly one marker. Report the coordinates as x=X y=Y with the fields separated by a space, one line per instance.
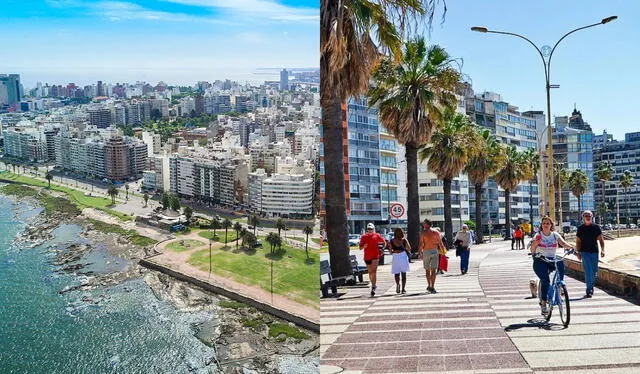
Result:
x=412 y=96
x=626 y=180
x=215 y=225
x=280 y=225
x=166 y=201
x=347 y=55
x=271 y=239
x=603 y=210
x=308 y=230
x=113 y=192
x=48 y=177
x=126 y=187
x=447 y=154
x=175 y=203
x=35 y=169
x=604 y=173
x=145 y=197
x=226 y=224
x=254 y=221
x=578 y=182
x=512 y=173
x=188 y=212
x=250 y=240
x=243 y=234
x=237 y=227
x=482 y=165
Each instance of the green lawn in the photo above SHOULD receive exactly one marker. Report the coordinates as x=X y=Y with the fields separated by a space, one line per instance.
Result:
x=132 y=235
x=231 y=235
x=293 y=276
x=186 y=245
x=77 y=197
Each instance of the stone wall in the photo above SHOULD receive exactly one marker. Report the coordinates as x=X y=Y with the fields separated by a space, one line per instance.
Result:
x=617 y=281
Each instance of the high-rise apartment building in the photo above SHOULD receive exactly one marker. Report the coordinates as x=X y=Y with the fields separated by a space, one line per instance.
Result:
x=284 y=80
x=117 y=158
x=100 y=117
x=9 y=89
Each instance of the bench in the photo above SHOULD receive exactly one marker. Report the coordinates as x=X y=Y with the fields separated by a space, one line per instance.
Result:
x=331 y=283
x=357 y=270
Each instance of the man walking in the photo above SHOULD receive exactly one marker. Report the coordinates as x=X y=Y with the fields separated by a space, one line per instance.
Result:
x=369 y=242
x=587 y=238
x=430 y=241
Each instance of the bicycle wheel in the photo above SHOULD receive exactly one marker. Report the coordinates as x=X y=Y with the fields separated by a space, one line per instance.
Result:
x=563 y=304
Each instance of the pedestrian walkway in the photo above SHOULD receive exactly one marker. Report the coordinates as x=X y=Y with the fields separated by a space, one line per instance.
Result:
x=481 y=322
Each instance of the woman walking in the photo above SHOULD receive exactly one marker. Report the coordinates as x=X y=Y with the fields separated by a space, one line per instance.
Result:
x=463 y=243
x=401 y=250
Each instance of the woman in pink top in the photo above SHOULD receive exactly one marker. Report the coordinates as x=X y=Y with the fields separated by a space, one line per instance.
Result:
x=546 y=243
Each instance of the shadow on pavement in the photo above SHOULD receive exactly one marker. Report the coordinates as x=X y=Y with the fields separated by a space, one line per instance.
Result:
x=539 y=323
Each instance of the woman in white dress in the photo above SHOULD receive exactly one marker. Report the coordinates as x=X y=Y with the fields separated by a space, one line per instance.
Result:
x=401 y=250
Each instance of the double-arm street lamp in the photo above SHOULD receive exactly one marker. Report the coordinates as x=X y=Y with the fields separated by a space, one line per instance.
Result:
x=546 y=53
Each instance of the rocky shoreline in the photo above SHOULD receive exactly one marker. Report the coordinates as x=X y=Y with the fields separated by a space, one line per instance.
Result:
x=239 y=335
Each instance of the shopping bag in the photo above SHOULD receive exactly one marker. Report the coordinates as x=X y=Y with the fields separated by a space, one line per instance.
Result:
x=444 y=263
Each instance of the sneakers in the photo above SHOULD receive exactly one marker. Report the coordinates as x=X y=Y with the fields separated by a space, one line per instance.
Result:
x=373 y=291
x=397 y=288
x=544 y=310
x=431 y=290
x=588 y=296
x=403 y=291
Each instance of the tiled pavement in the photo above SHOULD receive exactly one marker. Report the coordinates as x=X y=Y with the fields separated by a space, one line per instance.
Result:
x=481 y=322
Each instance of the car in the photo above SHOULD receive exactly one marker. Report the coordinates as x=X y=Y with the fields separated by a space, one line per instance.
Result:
x=633 y=226
x=354 y=240
x=607 y=226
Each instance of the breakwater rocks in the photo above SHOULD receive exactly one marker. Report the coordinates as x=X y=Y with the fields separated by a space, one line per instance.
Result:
x=244 y=339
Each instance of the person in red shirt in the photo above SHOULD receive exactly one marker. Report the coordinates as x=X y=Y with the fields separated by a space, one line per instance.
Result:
x=369 y=242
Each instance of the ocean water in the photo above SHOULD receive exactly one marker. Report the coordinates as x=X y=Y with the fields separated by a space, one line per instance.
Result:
x=123 y=329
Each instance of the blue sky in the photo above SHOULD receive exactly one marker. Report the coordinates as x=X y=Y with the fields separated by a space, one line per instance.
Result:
x=596 y=68
x=178 y=41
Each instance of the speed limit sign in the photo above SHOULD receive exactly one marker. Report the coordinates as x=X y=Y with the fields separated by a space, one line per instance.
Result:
x=396 y=210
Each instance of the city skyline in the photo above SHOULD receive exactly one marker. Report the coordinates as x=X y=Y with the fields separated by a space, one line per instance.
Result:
x=178 y=41
x=594 y=67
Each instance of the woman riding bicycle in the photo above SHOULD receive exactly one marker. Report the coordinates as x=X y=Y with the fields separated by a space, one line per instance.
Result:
x=546 y=243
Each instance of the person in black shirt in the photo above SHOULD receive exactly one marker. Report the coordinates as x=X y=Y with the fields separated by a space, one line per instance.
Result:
x=587 y=238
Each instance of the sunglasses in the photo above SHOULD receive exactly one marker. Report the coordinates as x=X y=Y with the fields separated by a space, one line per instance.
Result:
x=586 y=215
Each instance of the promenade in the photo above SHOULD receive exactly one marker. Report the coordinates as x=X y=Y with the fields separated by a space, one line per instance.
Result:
x=481 y=322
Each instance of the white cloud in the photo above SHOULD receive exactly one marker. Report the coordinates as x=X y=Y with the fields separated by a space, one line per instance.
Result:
x=260 y=8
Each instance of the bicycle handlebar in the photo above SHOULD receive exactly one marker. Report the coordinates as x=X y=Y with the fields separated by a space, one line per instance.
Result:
x=556 y=259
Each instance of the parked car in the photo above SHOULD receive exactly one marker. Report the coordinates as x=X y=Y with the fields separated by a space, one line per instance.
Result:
x=354 y=240
x=607 y=226
x=633 y=226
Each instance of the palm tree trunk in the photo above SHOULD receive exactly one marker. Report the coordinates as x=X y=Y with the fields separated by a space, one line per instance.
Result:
x=334 y=195
x=306 y=246
x=448 y=225
x=628 y=217
x=413 y=202
x=531 y=205
x=479 y=231
x=507 y=210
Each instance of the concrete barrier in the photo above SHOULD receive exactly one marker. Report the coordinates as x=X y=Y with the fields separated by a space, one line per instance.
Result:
x=298 y=320
x=614 y=280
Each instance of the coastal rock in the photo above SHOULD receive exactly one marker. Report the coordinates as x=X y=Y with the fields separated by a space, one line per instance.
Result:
x=240 y=350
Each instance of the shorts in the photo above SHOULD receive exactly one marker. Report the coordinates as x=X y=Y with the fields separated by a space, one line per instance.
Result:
x=368 y=262
x=430 y=258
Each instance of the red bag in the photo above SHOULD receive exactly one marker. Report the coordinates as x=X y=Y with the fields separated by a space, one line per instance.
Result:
x=444 y=263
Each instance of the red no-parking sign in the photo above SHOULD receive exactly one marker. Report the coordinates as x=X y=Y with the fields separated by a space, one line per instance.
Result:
x=396 y=210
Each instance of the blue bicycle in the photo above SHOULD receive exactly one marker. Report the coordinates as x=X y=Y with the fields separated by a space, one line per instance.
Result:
x=557 y=295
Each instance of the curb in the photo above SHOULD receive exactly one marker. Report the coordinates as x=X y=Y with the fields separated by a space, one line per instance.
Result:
x=617 y=281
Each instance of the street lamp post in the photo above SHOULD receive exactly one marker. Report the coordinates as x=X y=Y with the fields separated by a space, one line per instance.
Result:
x=546 y=53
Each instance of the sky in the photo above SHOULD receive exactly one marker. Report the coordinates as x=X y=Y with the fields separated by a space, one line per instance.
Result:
x=177 y=41
x=596 y=68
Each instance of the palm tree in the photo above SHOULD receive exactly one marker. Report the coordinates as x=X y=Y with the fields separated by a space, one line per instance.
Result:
x=604 y=173
x=254 y=221
x=237 y=227
x=126 y=187
x=280 y=225
x=578 y=182
x=347 y=54
x=48 y=177
x=215 y=225
x=308 y=230
x=243 y=234
x=482 y=165
x=447 y=154
x=145 y=197
x=271 y=240
x=626 y=180
x=561 y=177
x=226 y=224
x=512 y=173
x=113 y=192
x=35 y=168
x=411 y=95
x=250 y=240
